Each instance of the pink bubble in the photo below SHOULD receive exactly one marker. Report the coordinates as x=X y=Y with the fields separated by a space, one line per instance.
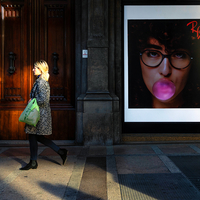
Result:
x=163 y=89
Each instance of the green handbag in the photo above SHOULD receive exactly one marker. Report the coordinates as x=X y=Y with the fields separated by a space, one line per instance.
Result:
x=31 y=114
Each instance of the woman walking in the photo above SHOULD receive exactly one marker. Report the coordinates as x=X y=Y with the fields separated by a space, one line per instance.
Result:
x=41 y=91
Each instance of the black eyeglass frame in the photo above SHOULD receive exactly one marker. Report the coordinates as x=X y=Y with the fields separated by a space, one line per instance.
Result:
x=166 y=56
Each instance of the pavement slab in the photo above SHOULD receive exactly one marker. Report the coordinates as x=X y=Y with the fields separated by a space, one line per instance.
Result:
x=132 y=149
x=93 y=183
x=97 y=151
x=190 y=167
x=46 y=182
x=140 y=164
x=177 y=149
x=157 y=186
x=14 y=152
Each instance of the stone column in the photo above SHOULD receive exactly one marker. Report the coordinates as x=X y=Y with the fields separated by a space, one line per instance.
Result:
x=98 y=108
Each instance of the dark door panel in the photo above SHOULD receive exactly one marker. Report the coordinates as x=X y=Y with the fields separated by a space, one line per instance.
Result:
x=30 y=31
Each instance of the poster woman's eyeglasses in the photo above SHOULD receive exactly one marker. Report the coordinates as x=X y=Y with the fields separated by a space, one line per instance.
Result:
x=177 y=59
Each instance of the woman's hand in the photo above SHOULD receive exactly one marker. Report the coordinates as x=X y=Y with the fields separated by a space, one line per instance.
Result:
x=29 y=101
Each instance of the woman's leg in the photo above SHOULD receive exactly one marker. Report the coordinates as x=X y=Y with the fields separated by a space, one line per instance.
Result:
x=33 y=150
x=52 y=145
x=33 y=146
x=47 y=142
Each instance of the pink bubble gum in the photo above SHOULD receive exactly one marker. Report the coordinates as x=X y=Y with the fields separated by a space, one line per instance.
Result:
x=164 y=89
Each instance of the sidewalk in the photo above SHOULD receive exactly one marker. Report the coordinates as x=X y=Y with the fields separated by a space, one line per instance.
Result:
x=136 y=171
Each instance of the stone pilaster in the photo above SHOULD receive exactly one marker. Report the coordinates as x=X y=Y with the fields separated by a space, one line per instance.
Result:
x=98 y=115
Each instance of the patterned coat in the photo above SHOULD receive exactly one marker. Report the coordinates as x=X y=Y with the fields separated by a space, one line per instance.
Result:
x=41 y=91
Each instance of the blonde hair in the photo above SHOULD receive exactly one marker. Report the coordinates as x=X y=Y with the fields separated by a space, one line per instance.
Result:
x=43 y=66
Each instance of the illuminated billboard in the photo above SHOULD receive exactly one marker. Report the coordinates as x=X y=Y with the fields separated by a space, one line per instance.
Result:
x=162 y=63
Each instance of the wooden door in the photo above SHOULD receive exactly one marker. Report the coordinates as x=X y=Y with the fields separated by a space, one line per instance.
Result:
x=32 y=30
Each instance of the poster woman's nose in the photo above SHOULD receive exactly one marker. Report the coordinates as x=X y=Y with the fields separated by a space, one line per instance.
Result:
x=165 y=68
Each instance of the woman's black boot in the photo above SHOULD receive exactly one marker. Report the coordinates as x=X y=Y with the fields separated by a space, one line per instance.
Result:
x=63 y=155
x=31 y=165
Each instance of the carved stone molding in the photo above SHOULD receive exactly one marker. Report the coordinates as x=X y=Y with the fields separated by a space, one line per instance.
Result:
x=11 y=11
x=12 y=91
x=57 y=94
x=55 y=11
x=57 y=98
x=14 y=98
x=12 y=94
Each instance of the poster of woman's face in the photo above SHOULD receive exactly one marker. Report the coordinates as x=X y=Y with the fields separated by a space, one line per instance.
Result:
x=162 y=63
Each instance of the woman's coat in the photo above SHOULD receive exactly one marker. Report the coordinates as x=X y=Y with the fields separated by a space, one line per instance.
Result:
x=41 y=91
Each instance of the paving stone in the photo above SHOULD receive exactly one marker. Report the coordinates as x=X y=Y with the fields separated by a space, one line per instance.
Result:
x=140 y=164
x=132 y=149
x=157 y=186
x=190 y=167
x=97 y=151
x=176 y=149
x=12 y=152
x=93 y=183
x=48 y=181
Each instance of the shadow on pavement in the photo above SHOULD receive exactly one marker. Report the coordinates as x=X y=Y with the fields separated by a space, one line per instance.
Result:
x=50 y=160
x=69 y=192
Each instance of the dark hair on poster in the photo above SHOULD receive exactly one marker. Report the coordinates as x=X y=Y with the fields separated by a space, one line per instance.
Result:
x=151 y=44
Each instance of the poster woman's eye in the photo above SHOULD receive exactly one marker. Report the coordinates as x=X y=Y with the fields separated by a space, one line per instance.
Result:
x=152 y=54
x=180 y=55
x=180 y=59
x=151 y=58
